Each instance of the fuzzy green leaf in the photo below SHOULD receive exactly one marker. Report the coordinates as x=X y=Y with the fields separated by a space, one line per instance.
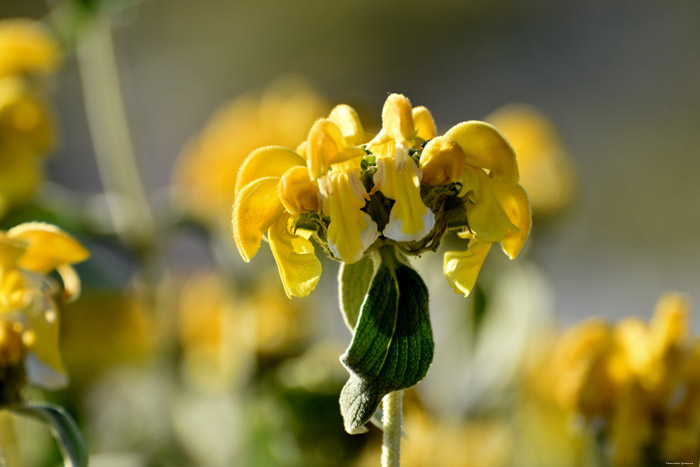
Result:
x=353 y=284
x=393 y=345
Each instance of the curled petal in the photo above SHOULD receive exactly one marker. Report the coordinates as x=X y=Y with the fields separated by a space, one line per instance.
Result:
x=325 y=146
x=515 y=203
x=351 y=231
x=256 y=207
x=424 y=123
x=409 y=219
x=10 y=251
x=347 y=120
x=461 y=268
x=669 y=326
x=40 y=337
x=297 y=263
x=441 y=162
x=270 y=161
x=298 y=192
x=488 y=221
x=47 y=247
x=486 y=147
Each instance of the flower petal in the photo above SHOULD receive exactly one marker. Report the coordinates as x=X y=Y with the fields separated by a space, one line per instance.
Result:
x=44 y=364
x=486 y=147
x=441 y=161
x=298 y=265
x=461 y=268
x=397 y=118
x=487 y=219
x=325 y=146
x=515 y=203
x=298 y=192
x=424 y=123
x=47 y=247
x=347 y=120
x=256 y=207
x=270 y=161
x=351 y=231
x=409 y=219
x=10 y=251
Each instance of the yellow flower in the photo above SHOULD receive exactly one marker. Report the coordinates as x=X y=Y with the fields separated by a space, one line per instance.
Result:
x=397 y=175
x=27 y=253
x=206 y=170
x=497 y=208
x=261 y=186
x=26 y=47
x=546 y=170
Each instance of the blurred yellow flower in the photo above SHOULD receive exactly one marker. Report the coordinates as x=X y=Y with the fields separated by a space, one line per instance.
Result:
x=26 y=46
x=28 y=252
x=206 y=170
x=546 y=169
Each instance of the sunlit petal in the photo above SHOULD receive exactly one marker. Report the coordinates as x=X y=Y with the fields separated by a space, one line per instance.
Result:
x=47 y=247
x=325 y=146
x=487 y=218
x=347 y=120
x=256 y=207
x=441 y=161
x=424 y=123
x=298 y=265
x=298 y=192
x=461 y=268
x=515 y=203
x=486 y=147
x=270 y=161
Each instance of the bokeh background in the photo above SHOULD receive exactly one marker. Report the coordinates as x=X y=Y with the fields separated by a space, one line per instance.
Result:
x=619 y=80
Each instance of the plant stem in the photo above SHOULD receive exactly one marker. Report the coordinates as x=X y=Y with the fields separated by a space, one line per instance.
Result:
x=393 y=422
x=109 y=129
x=9 y=448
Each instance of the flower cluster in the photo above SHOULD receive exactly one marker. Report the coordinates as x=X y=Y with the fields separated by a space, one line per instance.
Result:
x=26 y=129
x=28 y=315
x=636 y=383
x=405 y=186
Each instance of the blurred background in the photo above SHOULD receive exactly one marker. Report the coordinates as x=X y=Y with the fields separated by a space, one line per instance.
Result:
x=618 y=83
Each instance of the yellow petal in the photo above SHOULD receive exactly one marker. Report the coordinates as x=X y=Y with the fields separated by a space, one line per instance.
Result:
x=409 y=219
x=351 y=230
x=397 y=118
x=441 y=162
x=26 y=47
x=298 y=265
x=47 y=247
x=345 y=117
x=256 y=207
x=325 y=146
x=669 y=326
x=461 y=268
x=10 y=251
x=485 y=147
x=487 y=218
x=298 y=192
x=515 y=203
x=424 y=123
x=270 y=161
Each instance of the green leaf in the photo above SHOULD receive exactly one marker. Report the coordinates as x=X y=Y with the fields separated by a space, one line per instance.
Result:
x=353 y=284
x=63 y=428
x=393 y=345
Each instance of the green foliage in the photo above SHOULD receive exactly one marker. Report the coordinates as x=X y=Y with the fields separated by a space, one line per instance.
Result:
x=353 y=284
x=392 y=347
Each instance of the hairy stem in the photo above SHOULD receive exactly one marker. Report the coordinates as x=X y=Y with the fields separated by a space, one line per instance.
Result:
x=393 y=422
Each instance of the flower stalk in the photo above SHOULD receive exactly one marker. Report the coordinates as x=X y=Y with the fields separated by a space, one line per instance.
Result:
x=393 y=422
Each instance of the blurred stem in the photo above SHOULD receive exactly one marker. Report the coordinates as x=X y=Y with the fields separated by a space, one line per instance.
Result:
x=393 y=421
x=9 y=448
x=109 y=130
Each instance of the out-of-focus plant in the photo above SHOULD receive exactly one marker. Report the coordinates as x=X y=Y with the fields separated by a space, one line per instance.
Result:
x=205 y=175
x=369 y=201
x=27 y=51
x=632 y=385
x=546 y=169
x=29 y=319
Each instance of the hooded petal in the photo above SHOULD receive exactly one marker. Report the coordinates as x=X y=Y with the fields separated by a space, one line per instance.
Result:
x=47 y=247
x=397 y=118
x=441 y=161
x=351 y=230
x=515 y=203
x=270 y=161
x=347 y=120
x=298 y=265
x=486 y=147
x=325 y=146
x=298 y=192
x=409 y=219
x=256 y=207
x=487 y=219
x=10 y=251
x=461 y=268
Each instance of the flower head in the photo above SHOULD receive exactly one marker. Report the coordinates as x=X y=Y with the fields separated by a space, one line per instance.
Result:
x=28 y=252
